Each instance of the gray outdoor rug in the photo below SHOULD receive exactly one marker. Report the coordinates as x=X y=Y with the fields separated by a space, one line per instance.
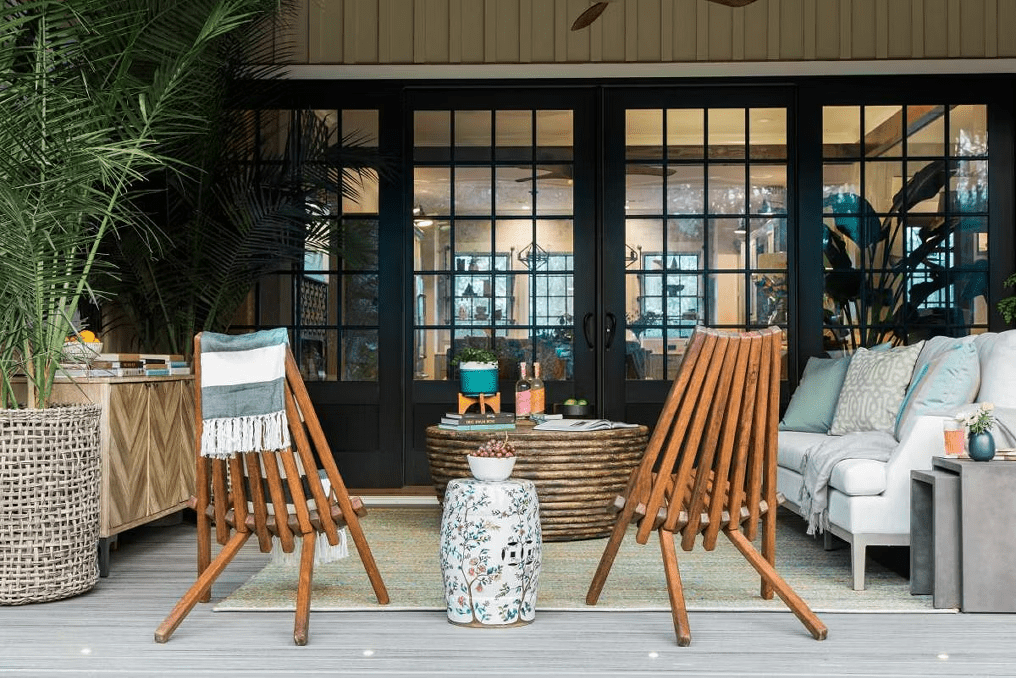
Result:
x=404 y=542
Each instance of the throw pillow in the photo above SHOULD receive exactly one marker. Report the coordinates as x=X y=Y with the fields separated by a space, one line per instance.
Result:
x=873 y=390
x=1000 y=372
x=941 y=386
x=813 y=404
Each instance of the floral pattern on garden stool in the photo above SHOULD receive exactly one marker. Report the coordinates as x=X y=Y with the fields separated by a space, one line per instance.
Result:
x=490 y=551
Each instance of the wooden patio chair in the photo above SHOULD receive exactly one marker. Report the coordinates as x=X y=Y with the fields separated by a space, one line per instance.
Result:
x=272 y=494
x=710 y=466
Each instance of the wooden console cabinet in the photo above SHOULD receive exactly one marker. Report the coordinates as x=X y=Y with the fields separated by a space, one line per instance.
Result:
x=147 y=433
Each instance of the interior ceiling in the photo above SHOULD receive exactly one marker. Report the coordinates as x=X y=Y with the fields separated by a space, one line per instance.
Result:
x=841 y=126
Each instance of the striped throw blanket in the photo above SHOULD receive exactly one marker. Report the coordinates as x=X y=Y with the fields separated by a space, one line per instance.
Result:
x=243 y=407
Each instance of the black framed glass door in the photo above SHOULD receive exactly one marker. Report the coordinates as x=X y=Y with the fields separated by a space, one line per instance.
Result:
x=696 y=228
x=501 y=244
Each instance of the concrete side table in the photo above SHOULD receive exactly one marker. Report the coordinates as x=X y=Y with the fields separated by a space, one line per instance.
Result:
x=935 y=536
x=490 y=552
x=987 y=532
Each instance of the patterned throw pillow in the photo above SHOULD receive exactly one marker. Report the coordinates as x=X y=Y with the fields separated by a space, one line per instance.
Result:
x=873 y=390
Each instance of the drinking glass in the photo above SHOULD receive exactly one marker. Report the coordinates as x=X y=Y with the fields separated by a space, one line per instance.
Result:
x=954 y=434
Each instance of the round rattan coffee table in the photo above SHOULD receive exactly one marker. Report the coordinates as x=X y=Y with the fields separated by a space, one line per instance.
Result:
x=577 y=474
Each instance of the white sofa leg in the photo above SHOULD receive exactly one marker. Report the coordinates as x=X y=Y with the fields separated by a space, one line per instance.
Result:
x=858 y=551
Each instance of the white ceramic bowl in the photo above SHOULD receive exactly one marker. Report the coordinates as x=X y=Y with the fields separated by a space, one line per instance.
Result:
x=491 y=468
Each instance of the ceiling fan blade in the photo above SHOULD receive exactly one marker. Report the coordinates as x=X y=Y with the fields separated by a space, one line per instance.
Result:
x=733 y=3
x=589 y=16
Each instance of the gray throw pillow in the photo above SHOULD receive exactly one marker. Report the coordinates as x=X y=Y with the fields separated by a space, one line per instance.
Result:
x=813 y=404
x=873 y=390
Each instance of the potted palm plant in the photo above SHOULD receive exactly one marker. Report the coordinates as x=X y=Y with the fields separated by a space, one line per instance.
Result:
x=88 y=89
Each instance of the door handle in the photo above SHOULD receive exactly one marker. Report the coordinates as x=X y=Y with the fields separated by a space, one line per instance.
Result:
x=609 y=330
x=586 y=320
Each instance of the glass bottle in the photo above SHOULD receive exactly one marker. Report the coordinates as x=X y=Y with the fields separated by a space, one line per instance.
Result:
x=522 y=394
x=537 y=397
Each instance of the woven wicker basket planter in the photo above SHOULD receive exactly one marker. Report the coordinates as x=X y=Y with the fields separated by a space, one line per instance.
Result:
x=49 y=503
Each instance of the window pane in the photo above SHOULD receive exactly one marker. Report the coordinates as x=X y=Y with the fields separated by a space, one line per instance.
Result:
x=726 y=133
x=554 y=136
x=685 y=134
x=644 y=134
x=359 y=355
x=968 y=127
x=472 y=135
x=513 y=135
x=472 y=190
x=883 y=131
x=767 y=133
x=432 y=136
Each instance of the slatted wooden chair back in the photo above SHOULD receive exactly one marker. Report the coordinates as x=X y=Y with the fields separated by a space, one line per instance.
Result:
x=710 y=465
x=273 y=495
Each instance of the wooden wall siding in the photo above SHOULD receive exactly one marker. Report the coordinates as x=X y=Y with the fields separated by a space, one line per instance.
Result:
x=648 y=31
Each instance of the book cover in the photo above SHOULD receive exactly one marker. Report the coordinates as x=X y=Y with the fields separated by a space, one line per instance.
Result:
x=479 y=418
x=477 y=427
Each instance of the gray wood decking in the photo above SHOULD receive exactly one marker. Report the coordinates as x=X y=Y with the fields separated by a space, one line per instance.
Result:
x=108 y=631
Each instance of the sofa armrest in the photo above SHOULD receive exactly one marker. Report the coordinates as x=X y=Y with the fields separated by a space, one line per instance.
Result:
x=924 y=441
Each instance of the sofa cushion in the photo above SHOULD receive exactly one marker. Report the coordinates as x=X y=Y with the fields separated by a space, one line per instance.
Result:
x=859 y=477
x=873 y=390
x=813 y=404
x=854 y=477
x=942 y=385
x=1000 y=374
x=793 y=445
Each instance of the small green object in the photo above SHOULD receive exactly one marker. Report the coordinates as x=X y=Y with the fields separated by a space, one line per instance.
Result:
x=581 y=401
x=472 y=354
x=571 y=401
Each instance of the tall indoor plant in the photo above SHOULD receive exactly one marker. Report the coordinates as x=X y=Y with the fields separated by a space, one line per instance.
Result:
x=88 y=89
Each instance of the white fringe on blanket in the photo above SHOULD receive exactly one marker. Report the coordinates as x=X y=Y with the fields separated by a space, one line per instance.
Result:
x=323 y=551
x=222 y=438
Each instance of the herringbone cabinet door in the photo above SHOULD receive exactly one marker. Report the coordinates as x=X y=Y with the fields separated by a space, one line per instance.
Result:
x=171 y=421
x=127 y=463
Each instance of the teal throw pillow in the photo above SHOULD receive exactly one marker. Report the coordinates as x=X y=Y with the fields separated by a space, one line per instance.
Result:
x=943 y=385
x=812 y=406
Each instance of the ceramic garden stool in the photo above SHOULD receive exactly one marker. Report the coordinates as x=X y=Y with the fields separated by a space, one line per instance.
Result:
x=490 y=552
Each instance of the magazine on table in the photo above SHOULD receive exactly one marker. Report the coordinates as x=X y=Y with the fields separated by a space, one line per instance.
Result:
x=581 y=425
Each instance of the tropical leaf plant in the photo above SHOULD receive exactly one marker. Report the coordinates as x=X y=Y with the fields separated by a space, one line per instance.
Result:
x=879 y=301
x=249 y=196
x=88 y=89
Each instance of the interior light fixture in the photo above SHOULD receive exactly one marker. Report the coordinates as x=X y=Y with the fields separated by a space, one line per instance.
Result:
x=630 y=255
x=420 y=217
x=532 y=255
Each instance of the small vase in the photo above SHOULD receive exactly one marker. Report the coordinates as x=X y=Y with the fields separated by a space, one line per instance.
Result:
x=981 y=446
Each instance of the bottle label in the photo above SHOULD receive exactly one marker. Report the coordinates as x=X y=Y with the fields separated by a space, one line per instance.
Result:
x=522 y=404
x=537 y=401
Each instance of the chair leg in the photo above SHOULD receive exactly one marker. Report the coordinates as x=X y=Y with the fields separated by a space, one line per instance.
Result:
x=366 y=557
x=768 y=549
x=201 y=587
x=300 y=627
x=675 y=590
x=782 y=588
x=607 y=559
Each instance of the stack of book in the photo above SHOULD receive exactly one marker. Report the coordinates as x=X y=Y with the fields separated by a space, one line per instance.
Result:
x=128 y=365
x=478 y=421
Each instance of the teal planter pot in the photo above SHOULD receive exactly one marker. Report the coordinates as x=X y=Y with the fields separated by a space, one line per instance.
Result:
x=478 y=378
x=981 y=446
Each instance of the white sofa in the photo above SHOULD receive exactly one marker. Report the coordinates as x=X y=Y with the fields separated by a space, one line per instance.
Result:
x=869 y=499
